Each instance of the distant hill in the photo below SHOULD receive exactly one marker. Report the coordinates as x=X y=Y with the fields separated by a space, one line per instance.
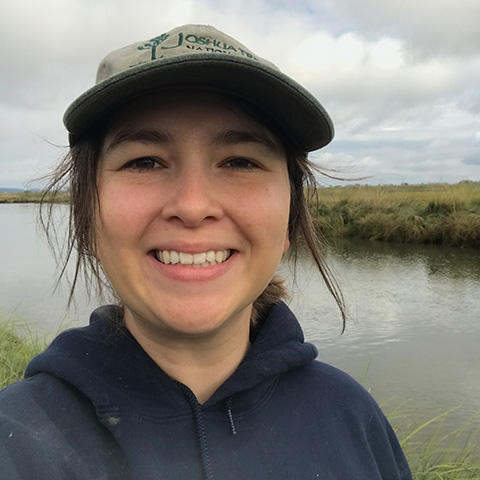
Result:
x=11 y=190
x=17 y=190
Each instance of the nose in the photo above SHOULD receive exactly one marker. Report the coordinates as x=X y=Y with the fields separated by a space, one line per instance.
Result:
x=193 y=199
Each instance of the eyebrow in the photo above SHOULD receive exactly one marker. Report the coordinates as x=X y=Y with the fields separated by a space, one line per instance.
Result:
x=163 y=137
x=235 y=137
x=146 y=136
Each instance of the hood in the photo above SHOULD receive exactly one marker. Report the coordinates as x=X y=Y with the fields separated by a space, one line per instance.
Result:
x=106 y=364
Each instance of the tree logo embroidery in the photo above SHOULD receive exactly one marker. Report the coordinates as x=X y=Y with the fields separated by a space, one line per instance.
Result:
x=153 y=44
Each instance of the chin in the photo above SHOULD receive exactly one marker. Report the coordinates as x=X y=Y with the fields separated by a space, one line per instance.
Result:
x=189 y=320
x=204 y=323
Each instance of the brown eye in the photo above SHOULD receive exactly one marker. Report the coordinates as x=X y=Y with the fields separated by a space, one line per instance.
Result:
x=240 y=163
x=143 y=164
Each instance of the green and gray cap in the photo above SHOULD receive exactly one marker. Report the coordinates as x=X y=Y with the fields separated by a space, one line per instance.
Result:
x=200 y=56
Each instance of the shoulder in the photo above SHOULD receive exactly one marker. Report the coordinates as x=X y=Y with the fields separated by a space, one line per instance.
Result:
x=333 y=393
x=39 y=393
x=329 y=382
x=337 y=393
x=49 y=430
x=346 y=413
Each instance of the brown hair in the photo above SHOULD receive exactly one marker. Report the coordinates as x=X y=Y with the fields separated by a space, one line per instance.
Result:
x=302 y=234
x=78 y=173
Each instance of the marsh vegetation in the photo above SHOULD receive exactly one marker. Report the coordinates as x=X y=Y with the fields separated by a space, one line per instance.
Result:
x=33 y=197
x=442 y=214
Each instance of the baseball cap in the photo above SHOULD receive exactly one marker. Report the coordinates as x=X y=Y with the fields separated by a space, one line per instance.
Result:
x=201 y=56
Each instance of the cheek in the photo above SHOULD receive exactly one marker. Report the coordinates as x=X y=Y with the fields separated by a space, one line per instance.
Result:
x=120 y=214
x=267 y=213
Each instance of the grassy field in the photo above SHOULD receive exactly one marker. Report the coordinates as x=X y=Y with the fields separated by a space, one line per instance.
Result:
x=432 y=454
x=439 y=213
x=15 y=353
x=30 y=197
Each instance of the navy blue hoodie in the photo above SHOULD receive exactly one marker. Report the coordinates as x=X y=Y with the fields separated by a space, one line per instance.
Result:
x=95 y=406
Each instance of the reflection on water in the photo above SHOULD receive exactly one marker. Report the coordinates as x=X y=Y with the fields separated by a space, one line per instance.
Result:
x=413 y=312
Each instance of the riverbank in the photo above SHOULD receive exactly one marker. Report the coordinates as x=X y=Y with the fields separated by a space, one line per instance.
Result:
x=436 y=214
x=436 y=456
x=31 y=197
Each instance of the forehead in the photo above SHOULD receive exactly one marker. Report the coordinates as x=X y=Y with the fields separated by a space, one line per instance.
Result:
x=188 y=110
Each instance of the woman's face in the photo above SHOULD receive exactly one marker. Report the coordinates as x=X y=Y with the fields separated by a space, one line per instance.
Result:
x=193 y=212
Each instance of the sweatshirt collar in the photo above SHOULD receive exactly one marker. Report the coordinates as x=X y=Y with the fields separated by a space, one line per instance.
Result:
x=109 y=367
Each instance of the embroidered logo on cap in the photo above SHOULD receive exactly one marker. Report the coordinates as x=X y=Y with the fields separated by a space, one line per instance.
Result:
x=192 y=42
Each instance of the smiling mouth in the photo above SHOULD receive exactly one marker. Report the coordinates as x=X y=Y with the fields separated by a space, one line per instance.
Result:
x=204 y=259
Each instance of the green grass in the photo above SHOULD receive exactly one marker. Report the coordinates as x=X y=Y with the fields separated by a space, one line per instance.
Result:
x=436 y=454
x=433 y=452
x=32 y=197
x=439 y=213
x=15 y=353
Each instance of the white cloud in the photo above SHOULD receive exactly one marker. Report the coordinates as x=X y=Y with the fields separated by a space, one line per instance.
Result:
x=428 y=28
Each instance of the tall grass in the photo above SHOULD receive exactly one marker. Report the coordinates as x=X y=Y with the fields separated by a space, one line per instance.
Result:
x=436 y=454
x=15 y=353
x=33 y=197
x=440 y=214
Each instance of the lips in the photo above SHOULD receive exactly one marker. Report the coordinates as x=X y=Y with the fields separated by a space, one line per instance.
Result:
x=203 y=259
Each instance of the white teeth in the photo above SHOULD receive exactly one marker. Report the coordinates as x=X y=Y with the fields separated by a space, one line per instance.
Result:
x=219 y=257
x=174 y=257
x=199 y=258
x=166 y=257
x=185 y=258
x=203 y=259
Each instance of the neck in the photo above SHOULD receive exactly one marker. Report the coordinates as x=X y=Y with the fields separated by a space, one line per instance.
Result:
x=201 y=362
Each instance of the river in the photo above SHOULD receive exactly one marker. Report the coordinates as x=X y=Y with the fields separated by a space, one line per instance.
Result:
x=413 y=334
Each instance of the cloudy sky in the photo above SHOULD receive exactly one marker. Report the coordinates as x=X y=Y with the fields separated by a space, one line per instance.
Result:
x=400 y=78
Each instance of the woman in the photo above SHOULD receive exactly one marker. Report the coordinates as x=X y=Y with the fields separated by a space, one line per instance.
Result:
x=186 y=171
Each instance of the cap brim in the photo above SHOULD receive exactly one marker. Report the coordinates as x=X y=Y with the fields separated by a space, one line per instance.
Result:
x=287 y=102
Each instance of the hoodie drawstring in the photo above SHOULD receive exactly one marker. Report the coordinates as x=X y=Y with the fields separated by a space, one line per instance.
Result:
x=230 y=416
x=202 y=438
